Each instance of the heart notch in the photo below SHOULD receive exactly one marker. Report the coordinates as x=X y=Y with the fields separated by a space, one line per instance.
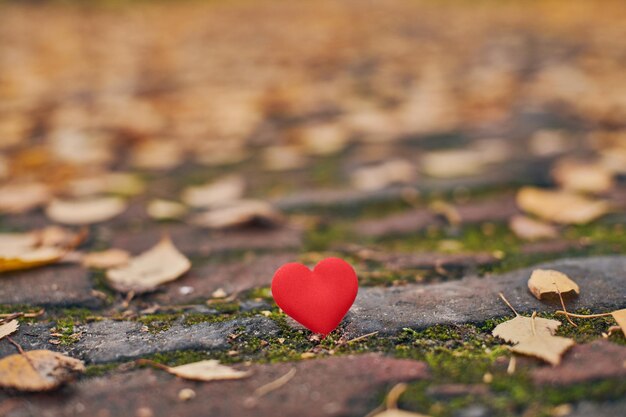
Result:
x=319 y=298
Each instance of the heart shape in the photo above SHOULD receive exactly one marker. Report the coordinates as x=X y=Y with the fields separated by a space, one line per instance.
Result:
x=317 y=299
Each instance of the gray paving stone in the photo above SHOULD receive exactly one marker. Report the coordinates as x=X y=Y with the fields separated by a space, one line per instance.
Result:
x=110 y=341
x=59 y=285
x=475 y=299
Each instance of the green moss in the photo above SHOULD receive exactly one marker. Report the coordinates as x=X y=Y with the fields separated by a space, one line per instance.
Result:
x=158 y=322
x=64 y=329
x=100 y=369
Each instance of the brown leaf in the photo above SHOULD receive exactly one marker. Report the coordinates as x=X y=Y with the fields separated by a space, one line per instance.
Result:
x=215 y=193
x=546 y=347
x=8 y=328
x=520 y=328
x=544 y=282
x=620 y=318
x=582 y=176
x=19 y=198
x=453 y=163
x=395 y=171
x=163 y=263
x=85 y=211
x=530 y=229
x=560 y=206
x=208 y=370
x=239 y=213
x=38 y=370
x=110 y=258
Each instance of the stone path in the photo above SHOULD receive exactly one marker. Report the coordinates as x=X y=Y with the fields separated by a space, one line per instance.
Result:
x=392 y=142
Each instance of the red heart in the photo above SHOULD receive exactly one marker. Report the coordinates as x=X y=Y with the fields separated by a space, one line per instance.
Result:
x=317 y=299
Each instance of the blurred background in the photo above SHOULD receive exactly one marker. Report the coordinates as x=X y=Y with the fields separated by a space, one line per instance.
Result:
x=377 y=106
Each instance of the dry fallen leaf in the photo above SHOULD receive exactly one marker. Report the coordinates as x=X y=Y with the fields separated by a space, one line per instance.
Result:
x=582 y=176
x=531 y=229
x=282 y=158
x=86 y=211
x=239 y=213
x=620 y=318
x=520 y=328
x=8 y=328
x=163 y=263
x=157 y=154
x=104 y=183
x=218 y=192
x=395 y=171
x=38 y=370
x=19 y=198
x=452 y=163
x=21 y=258
x=560 y=206
x=548 y=348
x=208 y=370
x=165 y=209
x=549 y=282
x=110 y=258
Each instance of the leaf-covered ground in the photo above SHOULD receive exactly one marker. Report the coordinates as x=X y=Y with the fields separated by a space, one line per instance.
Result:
x=445 y=149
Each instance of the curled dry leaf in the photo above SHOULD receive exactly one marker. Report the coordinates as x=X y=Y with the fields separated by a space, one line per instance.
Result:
x=324 y=139
x=240 y=213
x=21 y=258
x=19 y=198
x=36 y=248
x=165 y=209
x=620 y=318
x=157 y=154
x=218 y=192
x=38 y=370
x=560 y=206
x=530 y=229
x=106 y=259
x=163 y=263
x=208 y=370
x=548 y=348
x=548 y=282
x=520 y=328
x=396 y=171
x=8 y=328
x=85 y=211
x=453 y=163
x=582 y=176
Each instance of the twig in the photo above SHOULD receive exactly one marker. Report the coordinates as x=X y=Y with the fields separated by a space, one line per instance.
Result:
x=563 y=305
x=21 y=351
x=356 y=339
x=583 y=316
x=274 y=385
x=11 y=316
x=507 y=303
x=532 y=323
x=391 y=402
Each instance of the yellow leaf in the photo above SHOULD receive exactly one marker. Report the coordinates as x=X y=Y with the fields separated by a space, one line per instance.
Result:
x=208 y=370
x=8 y=328
x=165 y=209
x=38 y=370
x=12 y=260
x=582 y=176
x=546 y=282
x=520 y=328
x=620 y=318
x=85 y=211
x=163 y=263
x=560 y=206
x=546 y=347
